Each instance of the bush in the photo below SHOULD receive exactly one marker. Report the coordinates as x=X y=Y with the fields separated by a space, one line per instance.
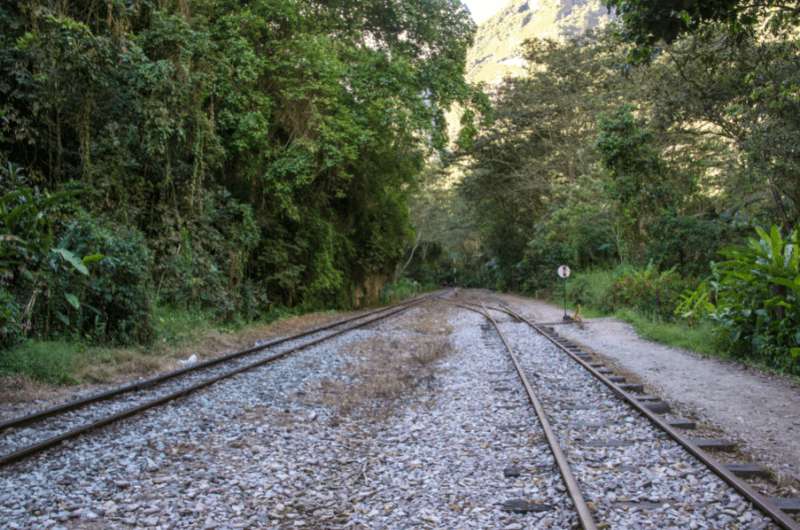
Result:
x=654 y=293
x=591 y=289
x=201 y=263
x=647 y=290
x=112 y=302
x=399 y=290
x=10 y=315
x=755 y=296
x=689 y=244
x=578 y=232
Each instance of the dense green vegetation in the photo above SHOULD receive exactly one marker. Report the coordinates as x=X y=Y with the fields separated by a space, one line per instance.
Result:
x=230 y=160
x=213 y=155
x=644 y=156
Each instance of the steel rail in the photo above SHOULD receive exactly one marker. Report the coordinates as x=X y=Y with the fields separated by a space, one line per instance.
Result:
x=158 y=379
x=766 y=506
x=52 y=441
x=582 y=508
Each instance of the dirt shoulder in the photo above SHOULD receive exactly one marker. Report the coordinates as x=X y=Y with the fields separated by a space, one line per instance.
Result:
x=20 y=395
x=759 y=410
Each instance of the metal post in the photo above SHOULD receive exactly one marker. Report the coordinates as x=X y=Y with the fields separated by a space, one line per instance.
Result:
x=566 y=316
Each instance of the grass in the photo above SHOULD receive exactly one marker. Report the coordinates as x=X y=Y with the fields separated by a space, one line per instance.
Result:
x=593 y=286
x=179 y=333
x=174 y=326
x=700 y=338
x=52 y=362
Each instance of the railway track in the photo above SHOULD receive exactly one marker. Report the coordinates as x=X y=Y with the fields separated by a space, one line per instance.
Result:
x=31 y=434
x=575 y=440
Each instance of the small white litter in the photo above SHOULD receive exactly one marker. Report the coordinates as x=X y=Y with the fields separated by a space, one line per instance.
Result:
x=190 y=360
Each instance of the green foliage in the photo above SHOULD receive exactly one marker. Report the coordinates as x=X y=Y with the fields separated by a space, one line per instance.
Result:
x=174 y=325
x=538 y=149
x=640 y=184
x=110 y=304
x=695 y=304
x=650 y=291
x=756 y=299
x=647 y=290
x=648 y=22
x=590 y=289
x=579 y=231
x=11 y=331
x=400 y=290
x=48 y=361
x=205 y=258
x=686 y=243
x=255 y=154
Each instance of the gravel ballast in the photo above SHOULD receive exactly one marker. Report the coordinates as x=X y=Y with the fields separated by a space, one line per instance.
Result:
x=634 y=474
x=260 y=450
x=419 y=421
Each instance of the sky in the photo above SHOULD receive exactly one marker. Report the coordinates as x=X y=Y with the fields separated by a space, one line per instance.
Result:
x=483 y=9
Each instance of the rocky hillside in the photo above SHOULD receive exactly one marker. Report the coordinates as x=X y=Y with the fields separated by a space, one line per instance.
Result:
x=496 y=53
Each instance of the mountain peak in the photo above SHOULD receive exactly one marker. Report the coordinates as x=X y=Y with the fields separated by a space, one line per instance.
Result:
x=496 y=53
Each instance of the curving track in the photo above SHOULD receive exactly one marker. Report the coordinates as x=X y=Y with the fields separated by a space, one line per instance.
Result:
x=34 y=433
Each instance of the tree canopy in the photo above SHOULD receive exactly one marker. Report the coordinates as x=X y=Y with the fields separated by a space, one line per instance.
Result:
x=265 y=150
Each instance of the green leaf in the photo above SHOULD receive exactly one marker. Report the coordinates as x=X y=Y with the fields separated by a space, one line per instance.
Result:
x=73 y=300
x=63 y=318
x=73 y=260
x=92 y=258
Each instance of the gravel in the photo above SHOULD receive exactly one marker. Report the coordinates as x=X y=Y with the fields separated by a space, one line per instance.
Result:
x=461 y=448
x=633 y=474
x=755 y=408
x=14 y=439
x=258 y=451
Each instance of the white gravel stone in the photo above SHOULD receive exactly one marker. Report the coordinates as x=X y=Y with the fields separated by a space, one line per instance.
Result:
x=261 y=450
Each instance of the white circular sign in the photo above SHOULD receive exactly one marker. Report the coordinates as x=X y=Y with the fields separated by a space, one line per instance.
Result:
x=564 y=271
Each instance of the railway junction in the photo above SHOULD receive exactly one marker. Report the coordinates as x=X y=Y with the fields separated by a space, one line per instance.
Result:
x=456 y=409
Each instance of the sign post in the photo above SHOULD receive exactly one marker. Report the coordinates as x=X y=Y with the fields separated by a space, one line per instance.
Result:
x=564 y=273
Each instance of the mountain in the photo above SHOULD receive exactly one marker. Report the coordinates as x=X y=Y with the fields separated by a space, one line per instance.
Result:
x=496 y=52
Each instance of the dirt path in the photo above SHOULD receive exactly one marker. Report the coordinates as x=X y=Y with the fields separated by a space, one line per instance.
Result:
x=759 y=410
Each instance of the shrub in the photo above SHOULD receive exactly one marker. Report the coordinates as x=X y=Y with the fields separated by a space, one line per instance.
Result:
x=650 y=291
x=10 y=315
x=578 y=232
x=687 y=243
x=399 y=290
x=112 y=302
x=201 y=262
x=591 y=289
x=756 y=299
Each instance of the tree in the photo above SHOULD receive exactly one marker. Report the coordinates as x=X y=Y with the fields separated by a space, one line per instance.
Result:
x=647 y=22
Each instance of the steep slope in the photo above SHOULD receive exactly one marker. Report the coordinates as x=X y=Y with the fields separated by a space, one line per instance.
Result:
x=496 y=52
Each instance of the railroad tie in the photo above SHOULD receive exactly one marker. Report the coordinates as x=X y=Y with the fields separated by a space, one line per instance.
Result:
x=788 y=505
x=713 y=444
x=748 y=470
x=657 y=407
x=680 y=423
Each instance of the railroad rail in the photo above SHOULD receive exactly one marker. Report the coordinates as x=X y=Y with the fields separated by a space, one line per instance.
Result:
x=195 y=382
x=573 y=489
x=761 y=502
